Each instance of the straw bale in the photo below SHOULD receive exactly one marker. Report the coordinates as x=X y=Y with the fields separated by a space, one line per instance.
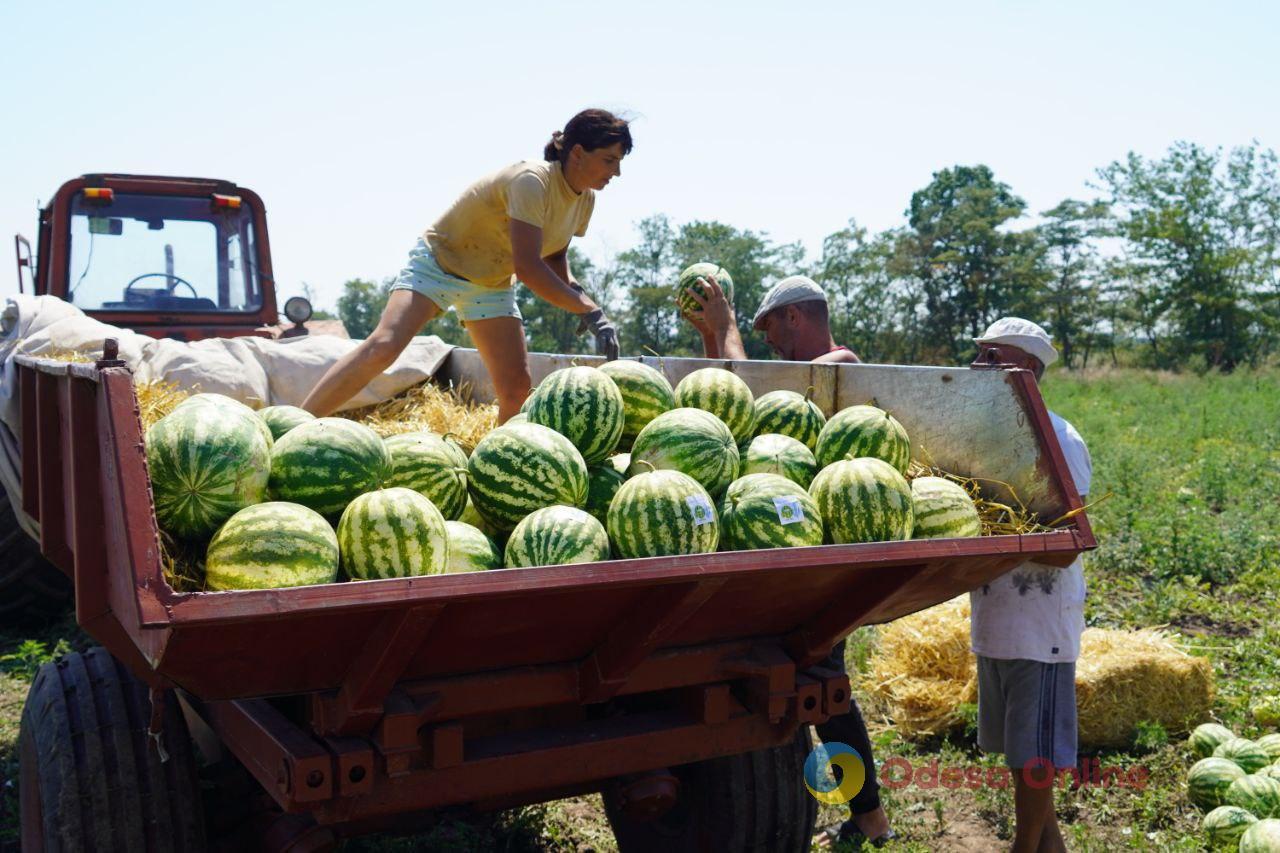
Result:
x=429 y=408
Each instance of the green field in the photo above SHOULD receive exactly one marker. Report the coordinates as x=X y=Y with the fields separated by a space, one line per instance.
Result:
x=1190 y=539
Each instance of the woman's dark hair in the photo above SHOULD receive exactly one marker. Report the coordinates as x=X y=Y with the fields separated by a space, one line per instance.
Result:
x=591 y=129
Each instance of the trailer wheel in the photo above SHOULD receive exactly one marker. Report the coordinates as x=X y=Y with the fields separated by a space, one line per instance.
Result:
x=751 y=803
x=92 y=778
x=31 y=588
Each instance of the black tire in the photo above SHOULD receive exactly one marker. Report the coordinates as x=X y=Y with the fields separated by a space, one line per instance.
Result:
x=31 y=588
x=98 y=782
x=751 y=803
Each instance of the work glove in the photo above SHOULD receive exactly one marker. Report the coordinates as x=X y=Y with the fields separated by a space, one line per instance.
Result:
x=605 y=334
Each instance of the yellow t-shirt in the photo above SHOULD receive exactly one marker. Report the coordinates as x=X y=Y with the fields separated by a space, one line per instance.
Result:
x=472 y=239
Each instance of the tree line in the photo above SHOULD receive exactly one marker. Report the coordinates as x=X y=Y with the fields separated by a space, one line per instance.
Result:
x=1170 y=262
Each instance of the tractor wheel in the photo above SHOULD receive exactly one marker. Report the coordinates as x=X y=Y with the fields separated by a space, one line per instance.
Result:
x=31 y=588
x=751 y=803
x=92 y=777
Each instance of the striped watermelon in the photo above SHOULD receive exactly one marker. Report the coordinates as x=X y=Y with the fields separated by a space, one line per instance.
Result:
x=528 y=401
x=771 y=453
x=1272 y=770
x=864 y=431
x=327 y=463
x=583 y=405
x=270 y=545
x=470 y=515
x=942 y=510
x=519 y=468
x=1208 y=781
x=790 y=414
x=433 y=466
x=1261 y=837
x=1207 y=737
x=206 y=463
x=692 y=441
x=768 y=511
x=1225 y=824
x=1244 y=752
x=1270 y=745
x=724 y=395
x=469 y=549
x=281 y=419
x=225 y=402
x=660 y=514
x=392 y=533
x=689 y=279
x=863 y=500
x=1257 y=794
x=556 y=535
x=603 y=482
x=646 y=393
x=518 y=418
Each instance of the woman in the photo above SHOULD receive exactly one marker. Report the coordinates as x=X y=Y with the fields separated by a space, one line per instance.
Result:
x=514 y=223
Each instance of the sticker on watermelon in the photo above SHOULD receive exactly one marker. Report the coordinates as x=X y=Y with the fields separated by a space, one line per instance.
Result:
x=789 y=509
x=701 y=509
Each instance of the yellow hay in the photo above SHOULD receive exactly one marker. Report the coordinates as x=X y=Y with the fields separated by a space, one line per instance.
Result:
x=428 y=408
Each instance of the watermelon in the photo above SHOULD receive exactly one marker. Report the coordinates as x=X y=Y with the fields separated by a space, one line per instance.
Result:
x=1272 y=770
x=1225 y=824
x=790 y=414
x=281 y=419
x=469 y=549
x=1208 y=780
x=603 y=482
x=470 y=515
x=1258 y=794
x=689 y=279
x=942 y=510
x=1261 y=837
x=554 y=536
x=768 y=511
x=431 y=465
x=1270 y=745
x=519 y=468
x=528 y=401
x=327 y=463
x=864 y=431
x=662 y=513
x=583 y=405
x=691 y=441
x=724 y=395
x=224 y=402
x=392 y=533
x=518 y=418
x=270 y=545
x=1244 y=752
x=772 y=453
x=646 y=393
x=206 y=463
x=863 y=500
x=1206 y=738
x=1266 y=712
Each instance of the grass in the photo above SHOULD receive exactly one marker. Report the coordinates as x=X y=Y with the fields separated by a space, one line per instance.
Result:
x=1191 y=539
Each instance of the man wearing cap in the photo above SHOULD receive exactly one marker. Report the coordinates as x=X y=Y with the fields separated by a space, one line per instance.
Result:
x=792 y=315
x=1025 y=628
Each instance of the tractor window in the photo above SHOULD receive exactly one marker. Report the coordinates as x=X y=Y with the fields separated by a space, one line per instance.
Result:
x=162 y=253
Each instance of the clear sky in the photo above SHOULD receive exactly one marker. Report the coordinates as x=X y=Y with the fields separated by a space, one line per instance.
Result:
x=359 y=123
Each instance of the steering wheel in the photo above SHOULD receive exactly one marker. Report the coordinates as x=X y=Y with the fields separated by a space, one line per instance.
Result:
x=176 y=278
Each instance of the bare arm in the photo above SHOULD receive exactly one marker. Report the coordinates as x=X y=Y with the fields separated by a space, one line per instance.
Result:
x=718 y=325
x=548 y=278
x=840 y=356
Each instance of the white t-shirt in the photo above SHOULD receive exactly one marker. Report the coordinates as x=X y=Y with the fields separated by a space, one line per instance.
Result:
x=1036 y=612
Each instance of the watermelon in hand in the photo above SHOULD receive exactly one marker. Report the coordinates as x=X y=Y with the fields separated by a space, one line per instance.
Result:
x=689 y=280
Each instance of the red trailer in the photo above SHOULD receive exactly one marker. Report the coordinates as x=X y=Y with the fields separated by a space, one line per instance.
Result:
x=682 y=688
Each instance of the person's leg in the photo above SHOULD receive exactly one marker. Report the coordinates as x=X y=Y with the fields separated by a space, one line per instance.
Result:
x=1040 y=737
x=1032 y=808
x=500 y=342
x=403 y=317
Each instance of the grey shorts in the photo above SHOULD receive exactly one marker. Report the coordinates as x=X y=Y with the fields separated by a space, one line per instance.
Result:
x=1027 y=710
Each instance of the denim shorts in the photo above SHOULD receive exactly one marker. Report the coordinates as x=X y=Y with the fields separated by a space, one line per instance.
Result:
x=471 y=301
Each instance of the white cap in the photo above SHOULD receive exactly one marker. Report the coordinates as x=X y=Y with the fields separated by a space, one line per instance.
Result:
x=789 y=291
x=1023 y=334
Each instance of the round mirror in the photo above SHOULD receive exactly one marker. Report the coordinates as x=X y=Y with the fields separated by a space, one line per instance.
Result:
x=297 y=309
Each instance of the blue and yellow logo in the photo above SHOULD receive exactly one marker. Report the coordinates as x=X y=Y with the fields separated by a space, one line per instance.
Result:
x=820 y=777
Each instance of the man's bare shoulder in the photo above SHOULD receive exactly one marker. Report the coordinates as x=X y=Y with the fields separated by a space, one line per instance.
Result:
x=840 y=356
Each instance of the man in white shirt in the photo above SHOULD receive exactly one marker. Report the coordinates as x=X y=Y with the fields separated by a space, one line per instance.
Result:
x=1025 y=628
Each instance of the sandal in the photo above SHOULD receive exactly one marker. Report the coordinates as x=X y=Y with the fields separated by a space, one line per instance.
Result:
x=848 y=832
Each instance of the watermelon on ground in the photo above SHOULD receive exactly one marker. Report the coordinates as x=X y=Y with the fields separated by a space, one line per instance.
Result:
x=470 y=550
x=864 y=431
x=603 y=482
x=392 y=533
x=646 y=393
x=206 y=462
x=692 y=441
x=1261 y=837
x=327 y=463
x=863 y=500
x=519 y=468
x=554 y=536
x=1271 y=745
x=660 y=514
x=271 y=545
x=768 y=511
x=1207 y=737
x=1258 y=794
x=1248 y=754
x=431 y=465
x=583 y=405
x=281 y=419
x=724 y=395
x=689 y=279
x=1225 y=824
x=1208 y=781
x=790 y=414
x=942 y=509
x=772 y=453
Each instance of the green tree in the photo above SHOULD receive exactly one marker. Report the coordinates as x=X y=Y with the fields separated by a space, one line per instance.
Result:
x=360 y=305
x=648 y=271
x=1070 y=297
x=872 y=311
